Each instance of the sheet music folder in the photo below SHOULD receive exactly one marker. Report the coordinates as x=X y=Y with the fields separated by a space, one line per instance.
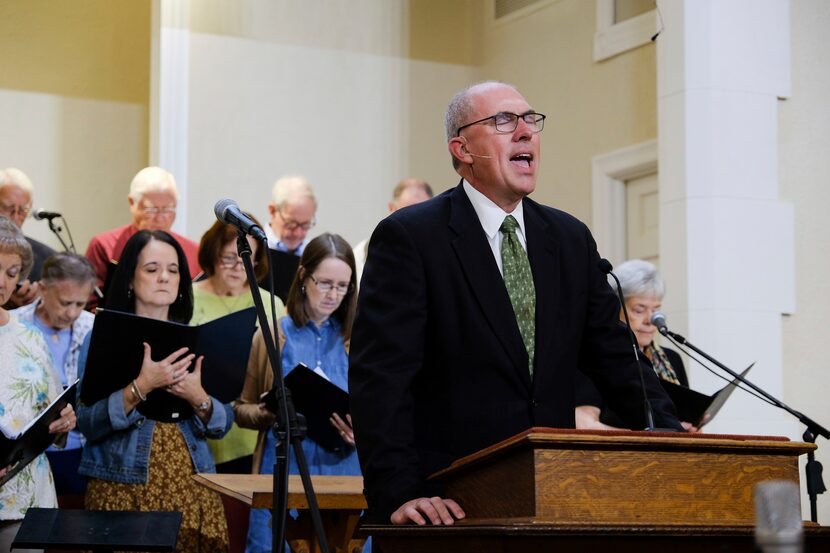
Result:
x=116 y=352
x=698 y=408
x=282 y=267
x=316 y=398
x=18 y=451
x=98 y=530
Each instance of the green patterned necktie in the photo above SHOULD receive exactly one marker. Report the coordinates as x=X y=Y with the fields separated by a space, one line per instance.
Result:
x=519 y=283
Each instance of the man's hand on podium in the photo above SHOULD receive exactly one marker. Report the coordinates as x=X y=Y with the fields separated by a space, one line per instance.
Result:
x=439 y=511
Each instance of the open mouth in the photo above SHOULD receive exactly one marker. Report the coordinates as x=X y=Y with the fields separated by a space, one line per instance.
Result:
x=522 y=160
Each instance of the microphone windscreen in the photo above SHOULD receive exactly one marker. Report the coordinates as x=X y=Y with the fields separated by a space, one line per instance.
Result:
x=220 y=207
x=778 y=525
x=605 y=266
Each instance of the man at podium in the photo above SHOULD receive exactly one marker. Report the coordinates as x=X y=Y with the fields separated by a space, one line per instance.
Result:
x=476 y=310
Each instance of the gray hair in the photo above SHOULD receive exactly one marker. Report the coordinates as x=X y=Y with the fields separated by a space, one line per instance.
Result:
x=15 y=177
x=13 y=242
x=291 y=188
x=152 y=179
x=460 y=110
x=639 y=278
x=67 y=266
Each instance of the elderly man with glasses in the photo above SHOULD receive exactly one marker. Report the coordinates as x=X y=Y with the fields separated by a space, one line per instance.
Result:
x=476 y=310
x=152 y=199
x=293 y=208
x=16 y=193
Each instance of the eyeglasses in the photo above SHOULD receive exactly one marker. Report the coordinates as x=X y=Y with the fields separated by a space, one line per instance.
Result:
x=324 y=286
x=11 y=209
x=231 y=261
x=290 y=225
x=508 y=122
x=152 y=211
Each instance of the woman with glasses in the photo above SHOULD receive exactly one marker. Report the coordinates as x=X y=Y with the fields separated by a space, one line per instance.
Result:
x=321 y=308
x=226 y=291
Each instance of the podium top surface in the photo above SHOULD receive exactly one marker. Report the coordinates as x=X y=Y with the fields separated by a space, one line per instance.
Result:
x=256 y=490
x=555 y=438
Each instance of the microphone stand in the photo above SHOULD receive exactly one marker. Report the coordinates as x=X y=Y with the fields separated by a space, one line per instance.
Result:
x=605 y=266
x=813 y=469
x=289 y=428
x=57 y=232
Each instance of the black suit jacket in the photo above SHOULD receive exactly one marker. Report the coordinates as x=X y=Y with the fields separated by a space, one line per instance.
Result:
x=438 y=369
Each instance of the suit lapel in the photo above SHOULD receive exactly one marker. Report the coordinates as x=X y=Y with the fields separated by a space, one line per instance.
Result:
x=486 y=283
x=543 y=252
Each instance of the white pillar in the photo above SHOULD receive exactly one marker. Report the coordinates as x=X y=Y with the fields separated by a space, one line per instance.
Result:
x=170 y=95
x=726 y=242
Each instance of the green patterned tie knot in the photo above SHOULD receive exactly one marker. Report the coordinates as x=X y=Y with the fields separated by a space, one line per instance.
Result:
x=518 y=280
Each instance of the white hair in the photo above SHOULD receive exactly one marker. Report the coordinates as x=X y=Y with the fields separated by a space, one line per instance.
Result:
x=639 y=278
x=152 y=179
x=15 y=177
x=291 y=188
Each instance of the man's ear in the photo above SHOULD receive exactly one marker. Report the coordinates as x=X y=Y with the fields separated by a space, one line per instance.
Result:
x=458 y=149
x=272 y=209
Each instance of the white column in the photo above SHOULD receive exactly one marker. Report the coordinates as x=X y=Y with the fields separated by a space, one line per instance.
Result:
x=726 y=242
x=170 y=94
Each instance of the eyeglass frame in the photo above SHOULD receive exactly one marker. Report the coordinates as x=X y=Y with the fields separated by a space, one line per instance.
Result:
x=290 y=225
x=225 y=264
x=152 y=211
x=516 y=117
x=331 y=286
x=12 y=209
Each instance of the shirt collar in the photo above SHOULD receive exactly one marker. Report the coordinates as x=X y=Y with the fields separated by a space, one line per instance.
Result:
x=489 y=214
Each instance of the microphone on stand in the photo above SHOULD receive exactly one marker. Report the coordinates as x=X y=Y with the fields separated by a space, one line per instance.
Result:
x=228 y=212
x=43 y=215
x=606 y=268
x=658 y=319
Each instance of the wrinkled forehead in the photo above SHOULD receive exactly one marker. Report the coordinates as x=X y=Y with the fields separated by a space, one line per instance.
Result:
x=492 y=98
x=13 y=193
x=157 y=199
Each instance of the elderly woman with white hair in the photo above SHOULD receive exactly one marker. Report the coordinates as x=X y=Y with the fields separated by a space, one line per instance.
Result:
x=643 y=289
x=152 y=198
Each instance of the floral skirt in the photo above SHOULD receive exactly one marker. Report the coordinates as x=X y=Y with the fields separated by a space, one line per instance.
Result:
x=169 y=487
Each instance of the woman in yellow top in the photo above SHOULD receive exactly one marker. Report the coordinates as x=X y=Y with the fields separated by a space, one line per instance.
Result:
x=226 y=291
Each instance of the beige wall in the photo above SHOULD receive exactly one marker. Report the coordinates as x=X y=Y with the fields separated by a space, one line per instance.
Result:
x=73 y=105
x=351 y=95
x=592 y=108
x=805 y=169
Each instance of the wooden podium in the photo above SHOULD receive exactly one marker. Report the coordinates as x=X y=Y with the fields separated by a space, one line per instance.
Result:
x=573 y=490
x=340 y=499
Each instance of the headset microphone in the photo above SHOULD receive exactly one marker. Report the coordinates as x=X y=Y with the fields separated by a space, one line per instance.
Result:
x=476 y=155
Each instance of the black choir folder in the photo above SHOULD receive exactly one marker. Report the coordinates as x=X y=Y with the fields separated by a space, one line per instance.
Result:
x=116 y=352
x=316 y=398
x=698 y=408
x=282 y=267
x=19 y=450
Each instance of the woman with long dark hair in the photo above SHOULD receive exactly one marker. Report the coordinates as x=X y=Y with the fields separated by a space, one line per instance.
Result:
x=136 y=463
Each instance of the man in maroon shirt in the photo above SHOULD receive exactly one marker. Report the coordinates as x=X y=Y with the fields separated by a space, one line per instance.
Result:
x=153 y=196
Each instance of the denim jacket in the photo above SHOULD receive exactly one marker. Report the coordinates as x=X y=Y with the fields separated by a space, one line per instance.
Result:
x=118 y=445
